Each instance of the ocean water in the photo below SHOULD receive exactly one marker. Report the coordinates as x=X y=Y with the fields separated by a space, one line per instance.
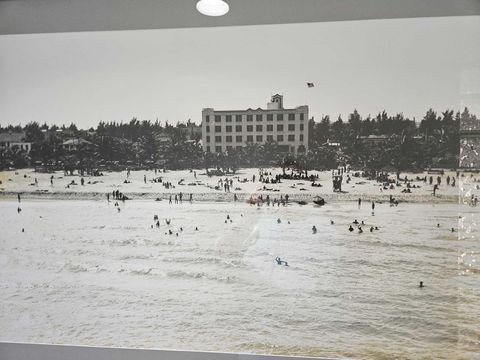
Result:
x=84 y=273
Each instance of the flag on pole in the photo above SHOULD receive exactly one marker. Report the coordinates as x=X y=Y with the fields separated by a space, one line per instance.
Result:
x=310 y=85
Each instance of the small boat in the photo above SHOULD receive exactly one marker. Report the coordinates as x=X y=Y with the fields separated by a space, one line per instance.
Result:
x=319 y=201
x=302 y=202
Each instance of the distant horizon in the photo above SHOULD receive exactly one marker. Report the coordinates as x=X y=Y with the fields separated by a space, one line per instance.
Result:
x=399 y=66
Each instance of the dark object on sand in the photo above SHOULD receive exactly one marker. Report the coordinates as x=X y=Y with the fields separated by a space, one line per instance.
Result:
x=302 y=202
x=319 y=200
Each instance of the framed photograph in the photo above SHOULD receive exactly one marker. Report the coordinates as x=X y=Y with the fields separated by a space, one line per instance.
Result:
x=307 y=189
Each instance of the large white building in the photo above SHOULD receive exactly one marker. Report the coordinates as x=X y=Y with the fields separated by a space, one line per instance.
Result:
x=228 y=129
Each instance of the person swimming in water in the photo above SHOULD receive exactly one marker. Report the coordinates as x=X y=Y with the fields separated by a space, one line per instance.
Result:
x=314 y=229
x=279 y=221
x=332 y=222
x=421 y=284
x=371 y=228
x=350 y=228
x=360 y=230
x=356 y=222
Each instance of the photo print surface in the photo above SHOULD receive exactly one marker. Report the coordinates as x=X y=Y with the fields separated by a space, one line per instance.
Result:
x=301 y=189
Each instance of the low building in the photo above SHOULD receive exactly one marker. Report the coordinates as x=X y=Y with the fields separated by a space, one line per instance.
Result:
x=15 y=141
x=373 y=139
x=75 y=144
x=223 y=130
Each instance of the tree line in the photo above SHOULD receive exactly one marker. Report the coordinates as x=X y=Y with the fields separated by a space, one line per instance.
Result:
x=382 y=142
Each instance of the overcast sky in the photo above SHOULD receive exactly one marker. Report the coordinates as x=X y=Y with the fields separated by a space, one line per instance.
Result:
x=406 y=65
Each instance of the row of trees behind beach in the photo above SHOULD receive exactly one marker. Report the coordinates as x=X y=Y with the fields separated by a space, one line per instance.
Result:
x=382 y=142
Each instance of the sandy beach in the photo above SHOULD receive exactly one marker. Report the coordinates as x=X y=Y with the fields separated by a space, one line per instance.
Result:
x=202 y=187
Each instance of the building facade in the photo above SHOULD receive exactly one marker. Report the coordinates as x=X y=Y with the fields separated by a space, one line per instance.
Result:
x=15 y=141
x=228 y=129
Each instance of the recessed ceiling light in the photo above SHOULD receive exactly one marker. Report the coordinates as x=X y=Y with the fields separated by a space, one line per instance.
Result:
x=213 y=7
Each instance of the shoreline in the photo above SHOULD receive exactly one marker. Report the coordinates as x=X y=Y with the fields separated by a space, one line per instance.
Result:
x=228 y=197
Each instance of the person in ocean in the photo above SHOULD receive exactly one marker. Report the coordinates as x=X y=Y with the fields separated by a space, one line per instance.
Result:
x=314 y=229
x=421 y=284
x=360 y=230
x=350 y=228
x=332 y=222
x=279 y=221
x=356 y=222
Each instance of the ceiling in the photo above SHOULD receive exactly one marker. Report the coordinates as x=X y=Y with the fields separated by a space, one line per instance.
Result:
x=41 y=16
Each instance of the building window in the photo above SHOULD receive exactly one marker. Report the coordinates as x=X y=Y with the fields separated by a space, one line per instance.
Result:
x=269 y=117
x=259 y=138
x=249 y=128
x=291 y=137
x=249 y=138
x=218 y=139
x=301 y=137
x=208 y=138
x=269 y=138
x=238 y=118
x=218 y=118
x=228 y=128
x=208 y=148
x=302 y=116
x=238 y=128
x=291 y=127
x=259 y=127
x=207 y=118
x=218 y=149
x=269 y=127
x=238 y=147
x=249 y=117
x=229 y=148
x=207 y=128
x=228 y=118
x=218 y=128
x=279 y=137
x=259 y=117
x=279 y=117
x=291 y=116
x=228 y=139
x=279 y=127
x=301 y=127
x=238 y=138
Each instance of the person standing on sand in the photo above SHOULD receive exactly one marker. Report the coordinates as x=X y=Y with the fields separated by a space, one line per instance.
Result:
x=108 y=197
x=145 y=179
x=373 y=206
x=359 y=202
x=18 y=197
x=435 y=188
x=170 y=200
